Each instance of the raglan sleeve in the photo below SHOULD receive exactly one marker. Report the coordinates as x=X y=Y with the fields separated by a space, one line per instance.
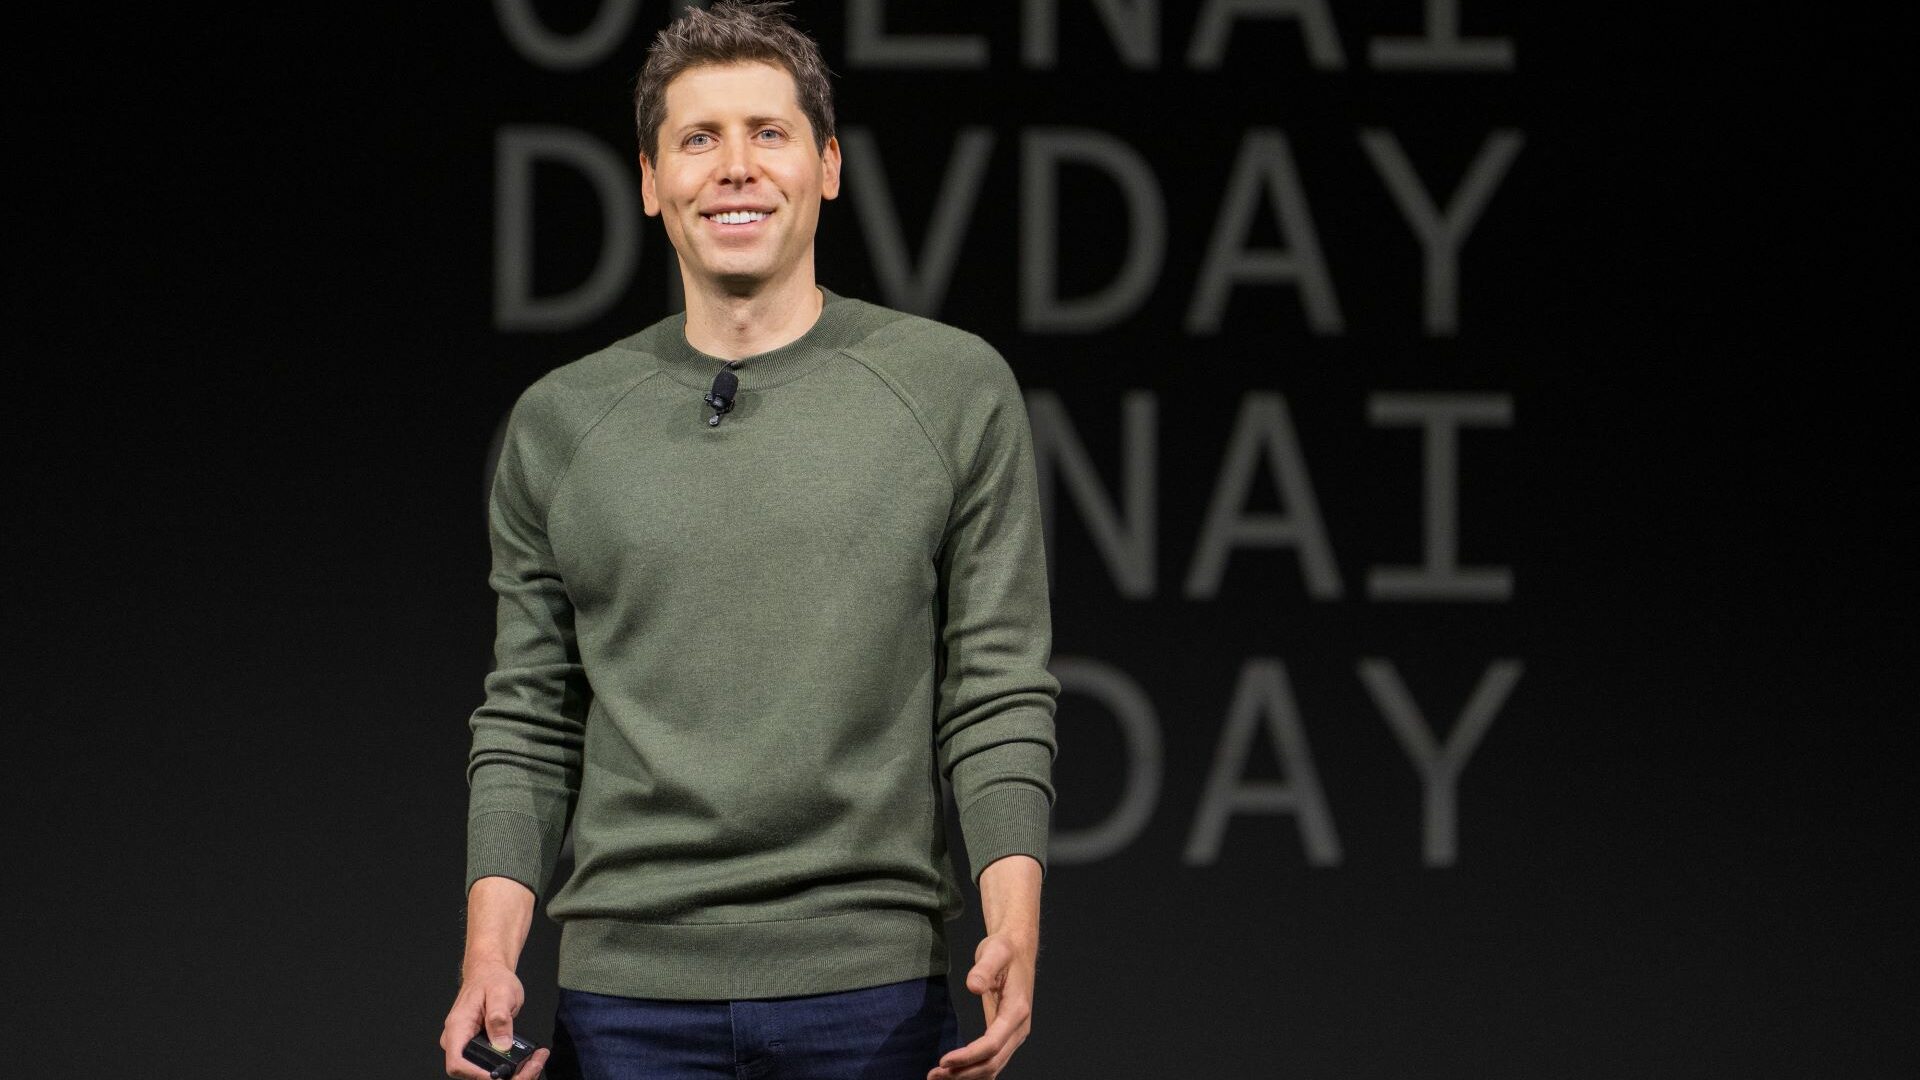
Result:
x=523 y=767
x=994 y=719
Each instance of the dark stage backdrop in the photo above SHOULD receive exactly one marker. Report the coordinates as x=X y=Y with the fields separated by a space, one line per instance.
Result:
x=1478 y=575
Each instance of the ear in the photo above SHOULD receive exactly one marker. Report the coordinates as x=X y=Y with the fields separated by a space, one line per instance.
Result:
x=649 y=199
x=830 y=169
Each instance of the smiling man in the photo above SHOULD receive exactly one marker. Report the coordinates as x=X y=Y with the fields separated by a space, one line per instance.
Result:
x=767 y=570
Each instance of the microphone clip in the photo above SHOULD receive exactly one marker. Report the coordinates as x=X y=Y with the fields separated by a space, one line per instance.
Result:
x=725 y=385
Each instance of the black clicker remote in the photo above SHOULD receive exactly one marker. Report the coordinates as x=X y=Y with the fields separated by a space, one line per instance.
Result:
x=498 y=1065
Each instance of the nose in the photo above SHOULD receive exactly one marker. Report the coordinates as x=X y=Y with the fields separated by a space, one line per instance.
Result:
x=737 y=163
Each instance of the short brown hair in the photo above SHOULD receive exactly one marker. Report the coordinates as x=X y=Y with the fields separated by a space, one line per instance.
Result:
x=731 y=32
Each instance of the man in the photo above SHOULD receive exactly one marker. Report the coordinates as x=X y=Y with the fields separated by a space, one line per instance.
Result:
x=739 y=642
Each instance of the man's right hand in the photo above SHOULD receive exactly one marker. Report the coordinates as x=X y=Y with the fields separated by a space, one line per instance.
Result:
x=490 y=997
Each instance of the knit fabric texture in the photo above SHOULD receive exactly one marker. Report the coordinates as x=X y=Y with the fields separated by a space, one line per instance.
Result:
x=739 y=658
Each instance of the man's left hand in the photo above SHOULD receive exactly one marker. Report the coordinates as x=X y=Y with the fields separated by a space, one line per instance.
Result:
x=1002 y=975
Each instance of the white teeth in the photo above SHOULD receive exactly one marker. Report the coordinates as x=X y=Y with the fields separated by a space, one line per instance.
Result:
x=738 y=217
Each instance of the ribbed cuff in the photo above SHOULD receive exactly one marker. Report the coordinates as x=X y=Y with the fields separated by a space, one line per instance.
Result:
x=1010 y=819
x=510 y=844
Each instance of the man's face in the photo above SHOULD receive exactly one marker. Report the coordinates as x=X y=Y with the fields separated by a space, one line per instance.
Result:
x=734 y=138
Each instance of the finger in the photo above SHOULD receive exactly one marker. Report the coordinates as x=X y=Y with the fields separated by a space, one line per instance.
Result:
x=990 y=1068
x=531 y=1068
x=465 y=1070
x=454 y=1039
x=975 y=1052
x=1005 y=1031
x=459 y=1066
x=985 y=1071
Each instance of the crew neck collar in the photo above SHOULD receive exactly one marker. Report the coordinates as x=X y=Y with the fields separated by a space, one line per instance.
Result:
x=830 y=332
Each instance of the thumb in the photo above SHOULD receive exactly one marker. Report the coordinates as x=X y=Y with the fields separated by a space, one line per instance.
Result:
x=988 y=969
x=499 y=1025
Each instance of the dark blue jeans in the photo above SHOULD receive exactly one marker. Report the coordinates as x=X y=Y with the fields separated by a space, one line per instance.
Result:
x=892 y=1032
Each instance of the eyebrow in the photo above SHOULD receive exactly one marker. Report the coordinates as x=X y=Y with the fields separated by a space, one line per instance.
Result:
x=752 y=121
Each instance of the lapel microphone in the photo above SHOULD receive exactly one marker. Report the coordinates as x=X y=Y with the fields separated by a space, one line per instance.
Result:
x=720 y=397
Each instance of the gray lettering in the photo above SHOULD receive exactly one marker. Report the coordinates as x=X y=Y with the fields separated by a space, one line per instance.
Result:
x=1133 y=24
x=1442 y=48
x=869 y=45
x=1210 y=31
x=1264 y=165
x=516 y=149
x=923 y=289
x=1264 y=423
x=1439 y=765
x=1263 y=692
x=1042 y=310
x=1140 y=727
x=1440 y=575
x=1125 y=542
x=1442 y=233
x=557 y=52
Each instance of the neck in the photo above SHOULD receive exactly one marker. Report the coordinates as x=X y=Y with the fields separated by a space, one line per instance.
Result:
x=731 y=325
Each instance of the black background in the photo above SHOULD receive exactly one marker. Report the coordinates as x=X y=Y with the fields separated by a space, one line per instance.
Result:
x=256 y=378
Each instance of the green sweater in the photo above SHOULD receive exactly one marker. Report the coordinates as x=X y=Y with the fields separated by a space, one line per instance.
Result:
x=740 y=657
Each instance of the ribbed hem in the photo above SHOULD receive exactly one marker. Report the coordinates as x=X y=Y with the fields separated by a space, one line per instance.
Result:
x=1007 y=820
x=730 y=961
x=837 y=326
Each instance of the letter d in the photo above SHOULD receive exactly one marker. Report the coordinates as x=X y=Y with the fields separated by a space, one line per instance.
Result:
x=516 y=149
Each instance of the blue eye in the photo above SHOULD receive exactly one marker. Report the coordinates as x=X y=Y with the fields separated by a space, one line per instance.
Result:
x=770 y=131
x=692 y=137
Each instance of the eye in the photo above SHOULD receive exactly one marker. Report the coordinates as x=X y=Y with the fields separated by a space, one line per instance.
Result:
x=775 y=132
x=696 y=135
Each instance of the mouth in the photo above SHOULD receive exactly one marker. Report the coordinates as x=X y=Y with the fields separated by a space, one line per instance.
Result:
x=738 y=220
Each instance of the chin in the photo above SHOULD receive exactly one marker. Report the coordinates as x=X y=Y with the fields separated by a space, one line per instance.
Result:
x=739 y=280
